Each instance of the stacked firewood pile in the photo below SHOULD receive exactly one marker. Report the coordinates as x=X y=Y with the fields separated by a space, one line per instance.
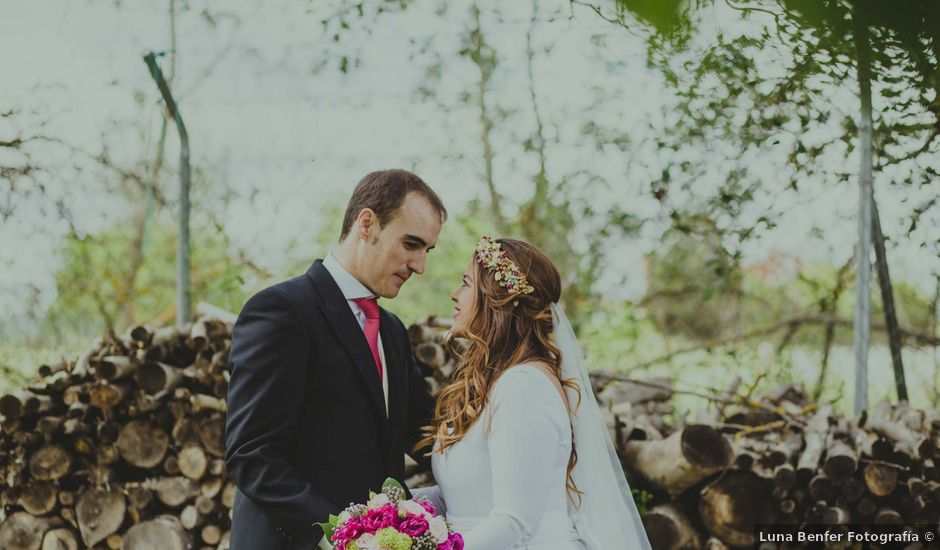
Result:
x=122 y=448
x=743 y=461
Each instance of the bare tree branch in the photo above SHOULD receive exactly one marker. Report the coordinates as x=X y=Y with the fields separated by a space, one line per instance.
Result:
x=920 y=150
x=916 y=338
x=485 y=62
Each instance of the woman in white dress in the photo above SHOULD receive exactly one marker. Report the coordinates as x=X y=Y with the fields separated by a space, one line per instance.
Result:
x=521 y=454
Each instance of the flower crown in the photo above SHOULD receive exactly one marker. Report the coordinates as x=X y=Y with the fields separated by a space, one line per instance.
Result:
x=491 y=256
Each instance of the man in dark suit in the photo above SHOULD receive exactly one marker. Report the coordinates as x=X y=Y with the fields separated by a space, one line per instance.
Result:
x=325 y=397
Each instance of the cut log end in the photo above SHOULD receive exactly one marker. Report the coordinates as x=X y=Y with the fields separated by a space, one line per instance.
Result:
x=734 y=504
x=668 y=527
x=99 y=514
x=22 y=531
x=49 y=462
x=60 y=539
x=142 y=443
x=161 y=533
x=705 y=447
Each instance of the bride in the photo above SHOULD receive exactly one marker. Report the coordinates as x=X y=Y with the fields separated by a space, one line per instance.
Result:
x=520 y=451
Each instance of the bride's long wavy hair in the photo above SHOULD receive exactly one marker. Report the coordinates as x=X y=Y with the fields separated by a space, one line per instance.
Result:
x=504 y=329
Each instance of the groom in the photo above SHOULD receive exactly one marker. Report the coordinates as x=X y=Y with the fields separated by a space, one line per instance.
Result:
x=325 y=397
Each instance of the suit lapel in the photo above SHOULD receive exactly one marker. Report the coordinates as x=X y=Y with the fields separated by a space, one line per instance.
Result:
x=347 y=330
x=394 y=370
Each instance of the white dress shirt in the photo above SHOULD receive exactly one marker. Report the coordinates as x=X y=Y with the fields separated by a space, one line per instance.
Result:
x=353 y=289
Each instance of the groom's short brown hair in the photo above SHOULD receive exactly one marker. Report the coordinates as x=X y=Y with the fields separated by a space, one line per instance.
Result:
x=383 y=192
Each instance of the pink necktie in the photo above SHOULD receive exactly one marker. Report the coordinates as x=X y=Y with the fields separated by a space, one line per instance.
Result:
x=370 y=307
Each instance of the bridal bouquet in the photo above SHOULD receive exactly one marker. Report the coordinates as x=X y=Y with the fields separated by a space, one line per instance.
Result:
x=389 y=521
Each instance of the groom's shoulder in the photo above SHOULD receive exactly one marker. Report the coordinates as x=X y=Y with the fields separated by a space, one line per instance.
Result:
x=292 y=292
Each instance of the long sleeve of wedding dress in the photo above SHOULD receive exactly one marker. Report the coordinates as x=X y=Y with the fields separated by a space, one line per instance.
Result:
x=528 y=446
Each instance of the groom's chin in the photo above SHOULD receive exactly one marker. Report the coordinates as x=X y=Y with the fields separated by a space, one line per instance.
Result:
x=390 y=292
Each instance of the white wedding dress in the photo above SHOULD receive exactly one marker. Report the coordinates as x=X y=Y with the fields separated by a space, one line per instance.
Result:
x=503 y=486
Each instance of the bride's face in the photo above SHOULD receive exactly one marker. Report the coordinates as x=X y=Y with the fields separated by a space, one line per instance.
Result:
x=463 y=301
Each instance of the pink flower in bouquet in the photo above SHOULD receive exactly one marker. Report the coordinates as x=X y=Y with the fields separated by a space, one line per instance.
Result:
x=428 y=506
x=454 y=542
x=414 y=526
x=347 y=532
x=379 y=518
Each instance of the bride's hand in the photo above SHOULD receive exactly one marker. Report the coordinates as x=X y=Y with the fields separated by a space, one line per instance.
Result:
x=433 y=495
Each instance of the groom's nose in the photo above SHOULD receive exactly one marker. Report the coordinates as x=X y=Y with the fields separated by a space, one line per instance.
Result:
x=416 y=264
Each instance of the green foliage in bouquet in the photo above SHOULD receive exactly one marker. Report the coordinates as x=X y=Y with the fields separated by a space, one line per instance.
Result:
x=390 y=487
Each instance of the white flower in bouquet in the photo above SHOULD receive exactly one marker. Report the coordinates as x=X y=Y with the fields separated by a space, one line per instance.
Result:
x=390 y=522
x=378 y=501
x=367 y=542
x=411 y=507
x=438 y=528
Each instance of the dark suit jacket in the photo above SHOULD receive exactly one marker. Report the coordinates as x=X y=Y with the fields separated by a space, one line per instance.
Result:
x=306 y=432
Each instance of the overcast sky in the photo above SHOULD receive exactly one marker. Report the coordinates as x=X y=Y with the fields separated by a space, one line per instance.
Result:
x=289 y=140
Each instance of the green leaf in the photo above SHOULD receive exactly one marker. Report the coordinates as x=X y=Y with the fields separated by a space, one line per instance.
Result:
x=327 y=530
x=390 y=482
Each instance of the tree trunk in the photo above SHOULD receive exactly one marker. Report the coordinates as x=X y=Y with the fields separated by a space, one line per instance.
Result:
x=154 y=377
x=888 y=516
x=852 y=489
x=22 y=531
x=192 y=462
x=107 y=396
x=207 y=402
x=887 y=300
x=682 y=459
x=50 y=462
x=880 y=479
x=39 y=498
x=830 y=330
x=815 y=437
x=668 y=528
x=182 y=249
x=862 y=327
x=99 y=514
x=841 y=459
x=60 y=539
x=142 y=444
x=161 y=533
x=211 y=487
x=228 y=495
x=836 y=515
x=485 y=61
x=431 y=354
x=21 y=403
x=211 y=534
x=189 y=517
x=115 y=367
x=139 y=500
x=734 y=504
x=174 y=491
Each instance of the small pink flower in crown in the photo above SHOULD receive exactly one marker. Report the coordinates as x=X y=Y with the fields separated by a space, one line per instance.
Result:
x=490 y=255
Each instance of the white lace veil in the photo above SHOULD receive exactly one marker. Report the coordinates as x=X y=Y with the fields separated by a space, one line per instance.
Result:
x=607 y=516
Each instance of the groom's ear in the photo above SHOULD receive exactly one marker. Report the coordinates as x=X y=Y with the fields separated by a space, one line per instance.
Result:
x=367 y=223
